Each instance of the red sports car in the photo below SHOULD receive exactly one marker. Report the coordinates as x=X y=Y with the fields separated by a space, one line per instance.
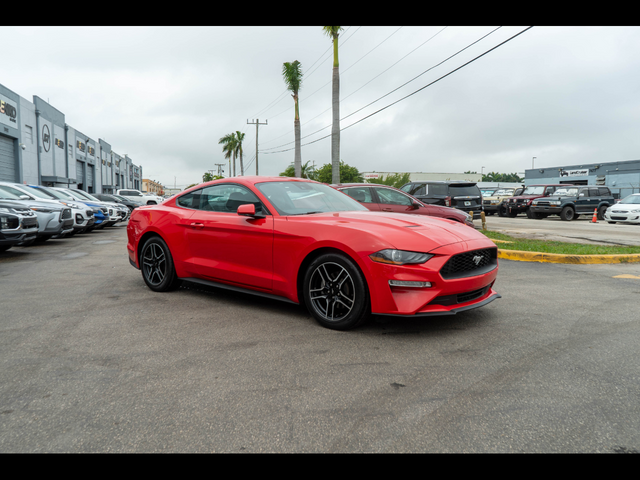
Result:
x=304 y=242
x=389 y=199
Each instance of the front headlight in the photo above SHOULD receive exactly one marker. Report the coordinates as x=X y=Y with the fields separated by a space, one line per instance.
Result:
x=399 y=257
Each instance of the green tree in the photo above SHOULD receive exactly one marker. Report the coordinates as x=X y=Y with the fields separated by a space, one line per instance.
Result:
x=230 y=147
x=306 y=171
x=208 y=176
x=348 y=174
x=394 y=180
x=292 y=75
x=333 y=33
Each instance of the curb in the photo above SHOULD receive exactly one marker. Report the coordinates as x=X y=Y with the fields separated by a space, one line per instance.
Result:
x=522 y=256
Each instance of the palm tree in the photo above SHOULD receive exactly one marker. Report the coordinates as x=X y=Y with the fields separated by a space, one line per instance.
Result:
x=229 y=148
x=292 y=74
x=335 y=104
x=239 y=139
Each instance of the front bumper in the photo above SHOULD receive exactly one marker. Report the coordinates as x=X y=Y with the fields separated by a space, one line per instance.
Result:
x=447 y=294
x=611 y=215
x=546 y=209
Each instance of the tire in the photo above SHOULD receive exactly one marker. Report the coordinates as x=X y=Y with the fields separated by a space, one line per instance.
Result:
x=502 y=211
x=567 y=214
x=611 y=222
x=532 y=215
x=336 y=293
x=601 y=211
x=4 y=248
x=156 y=264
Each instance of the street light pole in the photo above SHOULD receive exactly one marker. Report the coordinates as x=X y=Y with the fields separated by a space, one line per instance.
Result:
x=532 y=161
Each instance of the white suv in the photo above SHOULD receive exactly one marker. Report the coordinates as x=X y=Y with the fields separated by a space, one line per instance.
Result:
x=140 y=198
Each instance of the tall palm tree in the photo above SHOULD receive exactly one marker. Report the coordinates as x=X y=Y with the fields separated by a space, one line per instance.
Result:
x=229 y=147
x=239 y=140
x=292 y=74
x=333 y=32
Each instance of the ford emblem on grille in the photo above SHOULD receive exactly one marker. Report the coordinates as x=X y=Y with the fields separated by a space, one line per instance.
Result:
x=477 y=259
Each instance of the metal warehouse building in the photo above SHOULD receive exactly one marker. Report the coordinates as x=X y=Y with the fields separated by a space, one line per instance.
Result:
x=38 y=147
x=622 y=178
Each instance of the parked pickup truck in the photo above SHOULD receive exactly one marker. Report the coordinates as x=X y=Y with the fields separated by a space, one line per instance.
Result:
x=571 y=202
x=140 y=198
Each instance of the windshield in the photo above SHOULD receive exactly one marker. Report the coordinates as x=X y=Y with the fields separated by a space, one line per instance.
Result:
x=563 y=192
x=37 y=192
x=60 y=194
x=300 y=198
x=632 y=199
x=537 y=190
x=6 y=194
x=504 y=191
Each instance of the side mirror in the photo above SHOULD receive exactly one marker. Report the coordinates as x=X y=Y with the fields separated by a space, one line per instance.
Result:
x=415 y=205
x=248 y=210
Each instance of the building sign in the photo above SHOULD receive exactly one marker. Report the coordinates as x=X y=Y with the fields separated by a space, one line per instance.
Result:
x=59 y=143
x=575 y=173
x=91 y=150
x=80 y=146
x=8 y=112
x=371 y=175
x=46 y=137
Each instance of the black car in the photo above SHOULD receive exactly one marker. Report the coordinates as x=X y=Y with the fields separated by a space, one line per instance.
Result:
x=18 y=224
x=465 y=196
x=572 y=201
x=110 y=197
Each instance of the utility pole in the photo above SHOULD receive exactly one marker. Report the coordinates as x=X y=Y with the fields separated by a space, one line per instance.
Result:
x=256 y=123
x=219 y=165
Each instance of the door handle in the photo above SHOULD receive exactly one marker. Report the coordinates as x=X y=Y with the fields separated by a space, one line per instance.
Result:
x=387 y=210
x=196 y=225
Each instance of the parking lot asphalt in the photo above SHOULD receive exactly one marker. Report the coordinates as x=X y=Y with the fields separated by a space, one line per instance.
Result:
x=581 y=230
x=94 y=361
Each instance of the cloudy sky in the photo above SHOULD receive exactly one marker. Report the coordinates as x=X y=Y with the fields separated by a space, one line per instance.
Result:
x=166 y=95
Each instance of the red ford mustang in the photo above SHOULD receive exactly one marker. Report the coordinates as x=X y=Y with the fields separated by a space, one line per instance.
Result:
x=305 y=242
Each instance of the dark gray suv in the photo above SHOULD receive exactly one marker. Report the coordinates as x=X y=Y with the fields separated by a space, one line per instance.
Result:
x=465 y=196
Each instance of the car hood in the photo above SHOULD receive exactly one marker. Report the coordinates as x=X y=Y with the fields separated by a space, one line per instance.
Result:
x=403 y=231
x=625 y=207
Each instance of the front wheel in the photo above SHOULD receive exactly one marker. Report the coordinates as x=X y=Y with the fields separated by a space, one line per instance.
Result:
x=567 y=214
x=335 y=292
x=157 y=266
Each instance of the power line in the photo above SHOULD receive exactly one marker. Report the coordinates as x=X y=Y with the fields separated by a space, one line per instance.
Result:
x=413 y=93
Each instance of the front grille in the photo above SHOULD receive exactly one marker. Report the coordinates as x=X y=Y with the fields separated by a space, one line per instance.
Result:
x=29 y=222
x=618 y=218
x=66 y=213
x=469 y=264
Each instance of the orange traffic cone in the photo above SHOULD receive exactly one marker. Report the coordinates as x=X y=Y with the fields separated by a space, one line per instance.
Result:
x=595 y=216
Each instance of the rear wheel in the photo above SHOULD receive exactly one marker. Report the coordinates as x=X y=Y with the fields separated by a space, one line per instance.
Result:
x=335 y=292
x=601 y=211
x=157 y=266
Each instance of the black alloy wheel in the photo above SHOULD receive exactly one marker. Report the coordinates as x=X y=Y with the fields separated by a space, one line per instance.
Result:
x=335 y=292
x=157 y=266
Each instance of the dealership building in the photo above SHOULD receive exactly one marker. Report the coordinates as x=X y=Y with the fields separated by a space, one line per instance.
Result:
x=622 y=178
x=38 y=147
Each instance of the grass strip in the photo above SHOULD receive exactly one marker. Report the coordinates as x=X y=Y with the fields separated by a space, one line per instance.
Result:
x=506 y=242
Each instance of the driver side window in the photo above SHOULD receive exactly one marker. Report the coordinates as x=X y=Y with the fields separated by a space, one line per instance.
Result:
x=227 y=198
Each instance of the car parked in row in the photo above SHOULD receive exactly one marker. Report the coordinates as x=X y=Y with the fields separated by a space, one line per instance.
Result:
x=111 y=197
x=570 y=202
x=465 y=196
x=385 y=198
x=521 y=203
x=494 y=203
x=18 y=224
x=54 y=218
x=139 y=197
x=626 y=210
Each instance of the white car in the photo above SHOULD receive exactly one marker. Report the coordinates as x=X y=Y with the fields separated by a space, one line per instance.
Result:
x=139 y=197
x=625 y=211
